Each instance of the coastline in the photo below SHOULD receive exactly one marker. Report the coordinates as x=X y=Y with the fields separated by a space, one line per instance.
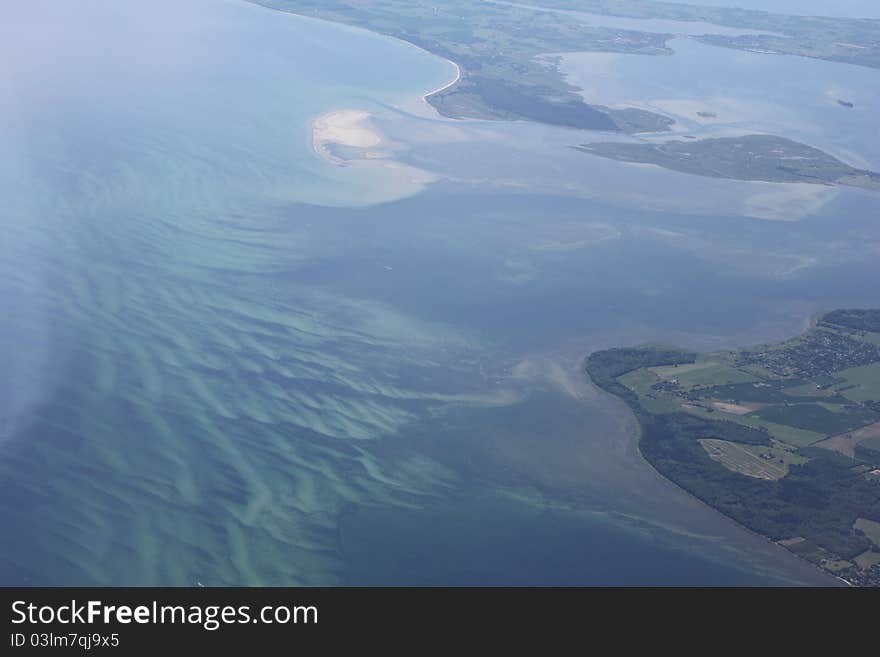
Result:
x=426 y=96
x=662 y=445
x=446 y=86
x=636 y=440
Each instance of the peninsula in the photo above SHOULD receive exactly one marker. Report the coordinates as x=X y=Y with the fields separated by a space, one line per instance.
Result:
x=502 y=74
x=784 y=438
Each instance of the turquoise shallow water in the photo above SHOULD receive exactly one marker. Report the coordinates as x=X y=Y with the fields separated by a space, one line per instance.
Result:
x=161 y=367
x=228 y=363
x=747 y=92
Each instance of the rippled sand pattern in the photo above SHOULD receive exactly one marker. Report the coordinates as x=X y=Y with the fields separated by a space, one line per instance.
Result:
x=198 y=382
x=207 y=423
x=175 y=407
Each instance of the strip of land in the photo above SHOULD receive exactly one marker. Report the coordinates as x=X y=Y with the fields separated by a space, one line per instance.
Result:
x=750 y=157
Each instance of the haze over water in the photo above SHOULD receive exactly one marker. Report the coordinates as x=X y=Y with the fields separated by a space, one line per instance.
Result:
x=231 y=362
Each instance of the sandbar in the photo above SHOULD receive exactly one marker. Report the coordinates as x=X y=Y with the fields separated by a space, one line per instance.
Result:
x=343 y=127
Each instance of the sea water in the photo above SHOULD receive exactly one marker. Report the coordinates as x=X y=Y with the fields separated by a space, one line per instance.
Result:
x=229 y=362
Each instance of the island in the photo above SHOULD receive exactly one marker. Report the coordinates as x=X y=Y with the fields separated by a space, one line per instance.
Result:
x=765 y=158
x=784 y=438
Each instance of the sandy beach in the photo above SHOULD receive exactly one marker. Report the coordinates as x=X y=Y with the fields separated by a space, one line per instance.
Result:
x=343 y=127
x=448 y=84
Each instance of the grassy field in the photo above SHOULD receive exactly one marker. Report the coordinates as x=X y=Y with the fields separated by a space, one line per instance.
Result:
x=705 y=373
x=781 y=432
x=790 y=416
x=873 y=338
x=867 y=559
x=791 y=435
x=818 y=418
x=870 y=528
x=837 y=565
x=867 y=382
x=640 y=382
x=757 y=392
x=870 y=450
x=809 y=389
x=753 y=460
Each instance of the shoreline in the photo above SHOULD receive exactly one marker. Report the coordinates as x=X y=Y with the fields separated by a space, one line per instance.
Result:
x=458 y=72
x=605 y=378
x=446 y=86
x=636 y=441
